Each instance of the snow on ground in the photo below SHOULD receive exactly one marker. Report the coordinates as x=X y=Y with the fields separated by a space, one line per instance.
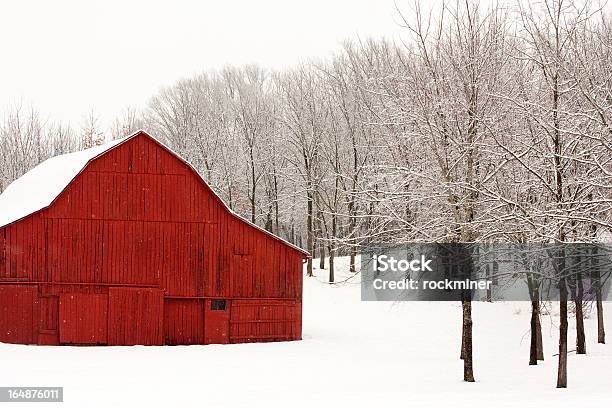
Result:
x=354 y=354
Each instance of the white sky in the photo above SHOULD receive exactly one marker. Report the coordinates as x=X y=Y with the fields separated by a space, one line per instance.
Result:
x=66 y=57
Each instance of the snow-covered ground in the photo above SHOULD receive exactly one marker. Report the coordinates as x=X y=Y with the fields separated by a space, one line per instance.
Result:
x=354 y=354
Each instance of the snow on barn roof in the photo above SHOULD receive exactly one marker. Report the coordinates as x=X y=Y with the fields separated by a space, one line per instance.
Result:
x=39 y=187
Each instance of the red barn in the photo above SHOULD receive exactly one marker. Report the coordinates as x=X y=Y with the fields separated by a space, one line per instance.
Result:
x=126 y=244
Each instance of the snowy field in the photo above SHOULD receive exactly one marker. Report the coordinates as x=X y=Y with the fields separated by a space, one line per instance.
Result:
x=354 y=354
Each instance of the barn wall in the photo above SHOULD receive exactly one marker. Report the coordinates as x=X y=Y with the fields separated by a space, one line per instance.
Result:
x=260 y=321
x=183 y=321
x=74 y=327
x=18 y=314
x=22 y=250
x=139 y=218
x=139 y=206
x=135 y=316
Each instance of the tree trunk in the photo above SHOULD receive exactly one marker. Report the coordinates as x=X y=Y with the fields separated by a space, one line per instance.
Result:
x=352 y=208
x=540 y=349
x=462 y=353
x=320 y=232
x=321 y=256
x=580 y=337
x=253 y=189
x=533 y=348
x=562 y=368
x=578 y=295
x=292 y=237
x=276 y=216
x=332 y=247
x=601 y=334
x=468 y=371
x=309 y=234
x=536 y=351
x=489 y=289
x=331 y=264
x=352 y=231
x=268 y=226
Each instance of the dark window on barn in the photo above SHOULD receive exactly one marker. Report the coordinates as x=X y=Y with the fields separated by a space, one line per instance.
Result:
x=217 y=304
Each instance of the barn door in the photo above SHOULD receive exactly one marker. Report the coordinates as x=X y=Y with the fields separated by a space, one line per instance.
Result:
x=135 y=316
x=18 y=304
x=83 y=318
x=48 y=333
x=183 y=321
x=216 y=321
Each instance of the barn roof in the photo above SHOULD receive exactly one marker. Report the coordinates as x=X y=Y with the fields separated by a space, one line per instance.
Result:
x=39 y=187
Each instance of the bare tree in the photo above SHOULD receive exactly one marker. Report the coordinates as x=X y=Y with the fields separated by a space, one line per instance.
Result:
x=449 y=75
x=91 y=133
x=304 y=117
x=128 y=121
x=22 y=142
x=251 y=106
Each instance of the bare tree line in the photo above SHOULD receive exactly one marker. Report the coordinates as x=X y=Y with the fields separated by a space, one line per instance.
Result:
x=484 y=125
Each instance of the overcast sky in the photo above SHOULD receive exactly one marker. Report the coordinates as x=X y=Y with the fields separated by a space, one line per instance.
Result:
x=66 y=57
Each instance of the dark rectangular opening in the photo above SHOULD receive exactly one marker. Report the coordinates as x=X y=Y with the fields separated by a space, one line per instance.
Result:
x=217 y=304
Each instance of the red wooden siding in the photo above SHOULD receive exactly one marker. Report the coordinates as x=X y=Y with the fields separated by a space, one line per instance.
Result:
x=183 y=321
x=48 y=332
x=18 y=314
x=22 y=249
x=272 y=320
x=135 y=316
x=78 y=328
x=135 y=227
x=217 y=327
